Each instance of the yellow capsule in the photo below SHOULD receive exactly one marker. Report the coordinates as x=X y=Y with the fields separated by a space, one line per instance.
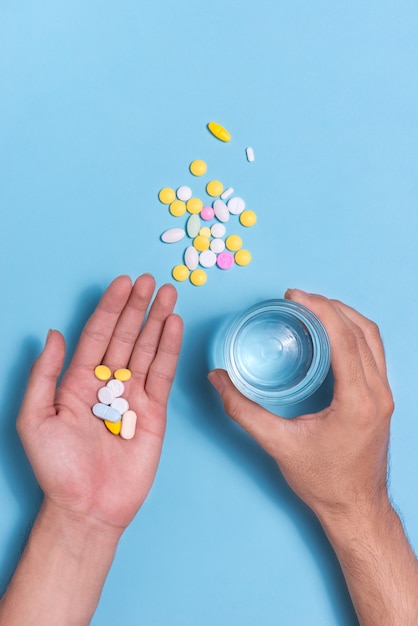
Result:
x=114 y=427
x=201 y=243
x=233 y=243
x=122 y=374
x=242 y=257
x=167 y=195
x=198 y=277
x=198 y=167
x=219 y=131
x=248 y=218
x=102 y=372
x=180 y=272
x=205 y=231
x=177 y=208
x=214 y=188
x=194 y=205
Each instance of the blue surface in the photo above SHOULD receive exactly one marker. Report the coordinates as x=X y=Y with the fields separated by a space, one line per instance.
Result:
x=102 y=104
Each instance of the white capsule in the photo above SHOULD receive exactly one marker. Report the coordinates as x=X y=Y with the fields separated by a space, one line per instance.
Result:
x=250 y=154
x=218 y=230
x=217 y=245
x=207 y=258
x=117 y=387
x=106 y=412
x=105 y=395
x=236 y=205
x=172 y=235
x=221 y=210
x=184 y=193
x=228 y=192
x=127 y=430
x=191 y=258
x=193 y=226
x=121 y=405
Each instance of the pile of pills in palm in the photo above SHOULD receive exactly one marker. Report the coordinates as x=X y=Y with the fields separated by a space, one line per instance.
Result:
x=206 y=223
x=112 y=407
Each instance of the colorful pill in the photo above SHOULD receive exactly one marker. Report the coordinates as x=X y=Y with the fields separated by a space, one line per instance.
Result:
x=193 y=226
x=225 y=260
x=207 y=213
x=201 y=243
x=177 y=208
x=127 y=430
x=102 y=372
x=236 y=205
x=248 y=218
x=221 y=210
x=117 y=387
x=105 y=395
x=205 y=231
x=122 y=374
x=180 y=272
x=198 y=167
x=114 y=427
x=105 y=412
x=194 y=205
x=121 y=405
x=172 y=235
x=214 y=188
x=250 y=154
x=233 y=243
x=242 y=257
x=184 y=193
x=198 y=278
x=219 y=131
x=191 y=258
x=167 y=195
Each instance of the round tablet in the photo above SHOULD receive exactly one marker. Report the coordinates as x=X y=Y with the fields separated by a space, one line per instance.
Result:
x=218 y=230
x=102 y=372
x=217 y=245
x=184 y=193
x=214 y=188
x=207 y=213
x=248 y=218
x=121 y=405
x=207 y=258
x=117 y=387
x=105 y=395
x=180 y=272
x=242 y=257
x=225 y=260
x=198 y=167
x=201 y=243
x=177 y=208
x=198 y=277
x=122 y=374
x=194 y=205
x=233 y=243
x=205 y=231
x=167 y=195
x=236 y=205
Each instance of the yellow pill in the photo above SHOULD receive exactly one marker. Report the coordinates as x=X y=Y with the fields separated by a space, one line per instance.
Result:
x=219 y=131
x=198 y=277
x=177 y=208
x=214 y=188
x=201 y=243
x=205 y=231
x=180 y=272
x=233 y=243
x=248 y=218
x=198 y=167
x=167 y=195
x=122 y=374
x=242 y=257
x=102 y=372
x=194 y=205
x=114 y=427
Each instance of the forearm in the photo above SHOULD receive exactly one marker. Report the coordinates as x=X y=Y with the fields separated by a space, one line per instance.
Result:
x=61 y=574
x=379 y=565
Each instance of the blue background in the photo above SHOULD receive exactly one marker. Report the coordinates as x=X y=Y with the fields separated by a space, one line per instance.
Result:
x=102 y=104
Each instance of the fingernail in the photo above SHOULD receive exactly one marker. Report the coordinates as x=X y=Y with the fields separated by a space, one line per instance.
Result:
x=296 y=292
x=216 y=380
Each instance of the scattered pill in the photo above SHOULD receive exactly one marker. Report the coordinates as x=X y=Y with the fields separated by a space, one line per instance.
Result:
x=167 y=195
x=221 y=210
x=194 y=205
x=236 y=205
x=207 y=258
x=123 y=374
x=219 y=131
x=217 y=245
x=214 y=188
x=250 y=154
x=205 y=231
x=198 y=167
x=198 y=278
x=233 y=243
x=128 y=425
x=193 y=226
x=172 y=235
x=191 y=258
x=102 y=372
x=121 y=405
x=184 y=193
x=207 y=213
x=117 y=387
x=180 y=272
x=242 y=257
x=105 y=395
x=225 y=260
x=114 y=427
x=248 y=218
x=218 y=230
x=177 y=208
x=105 y=412
x=201 y=243
x=228 y=192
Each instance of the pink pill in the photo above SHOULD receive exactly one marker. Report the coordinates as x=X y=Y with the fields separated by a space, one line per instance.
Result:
x=207 y=213
x=225 y=260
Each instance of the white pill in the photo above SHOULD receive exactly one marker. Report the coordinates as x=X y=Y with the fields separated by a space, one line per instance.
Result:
x=121 y=405
x=172 y=235
x=127 y=430
x=117 y=387
x=191 y=258
x=105 y=395
x=217 y=245
x=250 y=154
x=106 y=412
x=228 y=192
x=207 y=258
x=236 y=205
x=218 y=230
x=221 y=210
x=193 y=225
x=184 y=193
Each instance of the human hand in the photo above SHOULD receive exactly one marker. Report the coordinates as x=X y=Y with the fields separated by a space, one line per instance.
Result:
x=84 y=470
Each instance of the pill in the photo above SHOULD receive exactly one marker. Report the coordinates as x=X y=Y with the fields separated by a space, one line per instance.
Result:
x=242 y=257
x=127 y=430
x=205 y=231
x=172 y=235
x=248 y=218
x=250 y=154
x=225 y=260
x=114 y=427
x=198 y=167
x=121 y=405
x=214 y=188
x=228 y=192
x=219 y=131
x=117 y=387
x=102 y=372
x=198 y=278
x=105 y=395
x=217 y=245
x=207 y=258
x=194 y=205
x=177 y=208
x=207 y=213
x=123 y=374
x=218 y=230
x=106 y=412
x=167 y=195
x=221 y=210
x=193 y=226
x=191 y=258
x=201 y=243
x=184 y=193
x=180 y=272
x=236 y=205
x=233 y=243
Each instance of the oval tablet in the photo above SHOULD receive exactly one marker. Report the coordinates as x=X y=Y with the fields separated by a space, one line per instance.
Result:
x=184 y=193
x=123 y=374
x=193 y=226
x=105 y=395
x=117 y=387
x=102 y=372
x=221 y=210
x=172 y=235
x=127 y=430
x=105 y=412
x=191 y=257
x=121 y=405
x=219 y=131
x=236 y=205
